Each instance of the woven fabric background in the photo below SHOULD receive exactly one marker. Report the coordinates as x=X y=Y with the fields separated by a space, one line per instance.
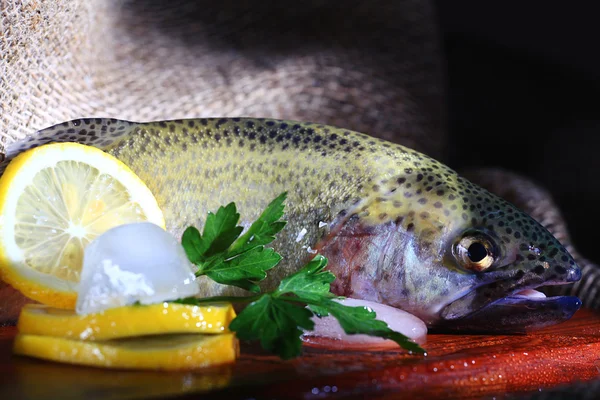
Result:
x=368 y=66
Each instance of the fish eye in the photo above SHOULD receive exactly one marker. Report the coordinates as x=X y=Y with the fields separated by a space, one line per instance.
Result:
x=475 y=252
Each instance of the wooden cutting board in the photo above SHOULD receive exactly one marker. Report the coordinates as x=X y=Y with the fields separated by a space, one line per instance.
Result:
x=457 y=366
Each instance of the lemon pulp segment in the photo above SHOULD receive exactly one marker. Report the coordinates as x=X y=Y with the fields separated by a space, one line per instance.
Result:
x=54 y=200
x=128 y=321
x=165 y=352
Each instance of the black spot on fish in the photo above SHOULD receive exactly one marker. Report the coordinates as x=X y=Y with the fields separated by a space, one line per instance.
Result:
x=520 y=273
x=539 y=270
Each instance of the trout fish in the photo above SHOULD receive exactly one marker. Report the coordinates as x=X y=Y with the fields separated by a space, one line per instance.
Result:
x=397 y=226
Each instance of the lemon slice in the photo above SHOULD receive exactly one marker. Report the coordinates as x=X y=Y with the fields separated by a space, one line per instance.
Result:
x=54 y=200
x=128 y=321
x=165 y=352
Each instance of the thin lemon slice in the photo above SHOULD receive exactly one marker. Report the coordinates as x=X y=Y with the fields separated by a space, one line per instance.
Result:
x=129 y=321
x=165 y=352
x=54 y=200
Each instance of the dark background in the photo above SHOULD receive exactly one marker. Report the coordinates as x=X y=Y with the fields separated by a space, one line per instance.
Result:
x=523 y=83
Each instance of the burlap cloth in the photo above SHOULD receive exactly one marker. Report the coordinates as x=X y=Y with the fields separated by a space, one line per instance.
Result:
x=371 y=66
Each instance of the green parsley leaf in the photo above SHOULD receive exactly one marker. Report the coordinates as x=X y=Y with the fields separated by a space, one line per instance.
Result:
x=193 y=245
x=220 y=231
x=309 y=283
x=312 y=284
x=276 y=323
x=245 y=269
x=361 y=320
x=264 y=229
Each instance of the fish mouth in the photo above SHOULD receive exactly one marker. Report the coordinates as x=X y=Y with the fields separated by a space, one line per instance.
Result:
x=509 y=303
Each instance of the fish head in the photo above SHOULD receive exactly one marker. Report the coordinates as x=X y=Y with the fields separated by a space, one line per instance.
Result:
x=451 y=253
x=508 y=254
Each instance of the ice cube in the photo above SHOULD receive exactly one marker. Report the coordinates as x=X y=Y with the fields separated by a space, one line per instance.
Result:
x=131 y=263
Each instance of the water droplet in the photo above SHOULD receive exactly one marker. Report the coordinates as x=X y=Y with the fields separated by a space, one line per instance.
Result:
x=86 y=334
x=301 y=234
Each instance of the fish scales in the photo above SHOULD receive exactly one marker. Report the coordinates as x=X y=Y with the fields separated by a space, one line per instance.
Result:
x=195 y=166
x=389 y=218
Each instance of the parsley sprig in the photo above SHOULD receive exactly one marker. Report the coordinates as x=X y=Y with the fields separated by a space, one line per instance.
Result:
x=276 y=318
x=228 y=258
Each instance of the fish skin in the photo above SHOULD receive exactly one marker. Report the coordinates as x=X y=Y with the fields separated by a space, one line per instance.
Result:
x=386 y=216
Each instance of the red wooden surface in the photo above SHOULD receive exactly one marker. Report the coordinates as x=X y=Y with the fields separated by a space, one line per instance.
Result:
x=457 y=366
